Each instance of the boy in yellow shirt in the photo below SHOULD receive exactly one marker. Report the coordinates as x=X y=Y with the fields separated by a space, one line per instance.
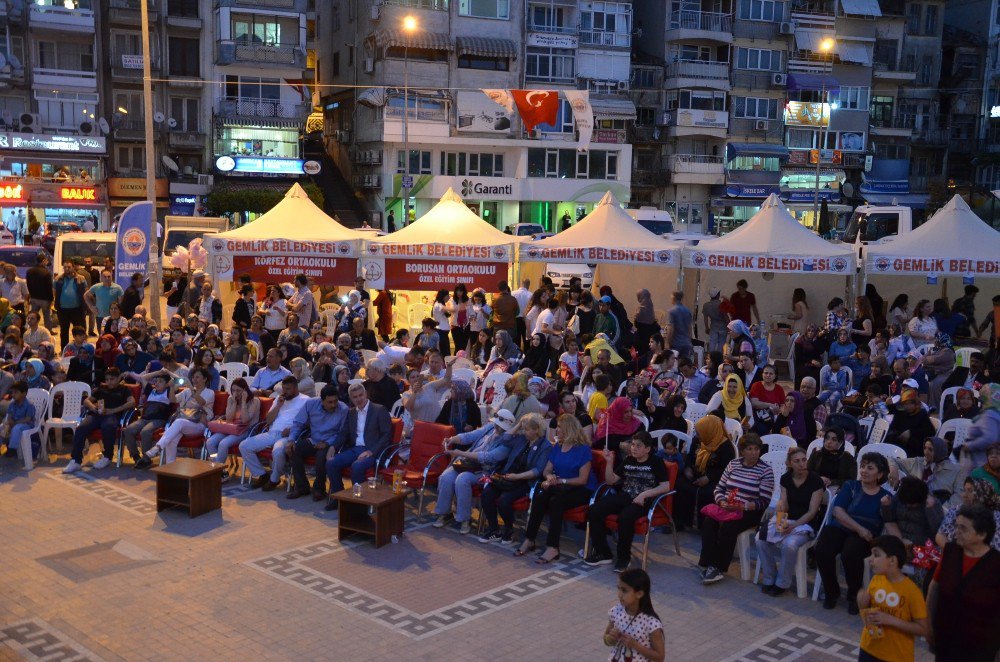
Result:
x=892 y=606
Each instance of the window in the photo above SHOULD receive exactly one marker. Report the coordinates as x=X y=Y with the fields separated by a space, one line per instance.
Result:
x=265 y=29
x=335 y=17
x=130 y=158
x=67 y=56
x=420 y=108
x=185 y=111
x=758 y=59
x=930 y=19
x=546 y=18
x=851 y=98
x=12 y=106
x=564 y=120
x=881 y=111
x=459 y=164
x=251 y=141
x=892 y=151
x=185 y=57
x=131 y=103
x=755 y=108
x=643 y=79
x=570 y=164
x=420 y=162
x=913 y=18
x=65 y=110
x=611 y=19
x=483 y=63
x=336 y=63
x=422 y=54
x=550 y=64
x=645 y=116
x=484 y=8
x=182 y=8
x=127 y=43
x=691 y=52
x=761 y=10
x=926 y=70
x=696 y=100
x=253 y=88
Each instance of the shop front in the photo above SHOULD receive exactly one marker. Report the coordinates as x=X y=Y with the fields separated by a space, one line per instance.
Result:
x=123 y=191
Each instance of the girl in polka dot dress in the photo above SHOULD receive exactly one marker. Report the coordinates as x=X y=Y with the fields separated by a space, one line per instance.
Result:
x=634 y=632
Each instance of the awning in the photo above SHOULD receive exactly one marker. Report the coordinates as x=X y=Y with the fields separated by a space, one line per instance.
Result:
x=432 y=41
x=917 y=200
x=613 y=109
x=486 y=47
x=809 y=40
x=861 y=7
x=800 y=81
x=755 y=149
x=259 y=122
x=854 y=52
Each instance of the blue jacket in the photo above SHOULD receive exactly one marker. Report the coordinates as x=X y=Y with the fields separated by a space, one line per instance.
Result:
x=537 y=458
x=324 y=426
x=489 y=443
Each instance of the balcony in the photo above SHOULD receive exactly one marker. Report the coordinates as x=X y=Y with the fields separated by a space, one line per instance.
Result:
x=605 y=39
x=61 y=19
x=298 y=6
x=643 y=178
x=891 y=126
x=764 y=30
x=700 y=25
x=647 y=134
x=178 y=139
x=892 y=71
x=128 y=12
x=262 y=108
x=436 y=5
x=696 y=169
x=931 y=137
x=132 y=129
x=694 y=122
x=57 y=78
x=233 y=52
x=549 y=28
x=693 y=73
x=751 y=128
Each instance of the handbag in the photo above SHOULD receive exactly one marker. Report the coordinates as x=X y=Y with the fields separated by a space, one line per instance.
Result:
x=504 y=484
x=463 y=464
x=574 y=325
x=720 y=514
x=225 y=427
x=156 y=411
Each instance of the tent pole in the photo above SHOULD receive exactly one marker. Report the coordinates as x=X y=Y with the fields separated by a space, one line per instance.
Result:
x=694 y=311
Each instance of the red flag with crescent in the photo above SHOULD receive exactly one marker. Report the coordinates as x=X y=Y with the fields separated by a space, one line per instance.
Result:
x=536 y=106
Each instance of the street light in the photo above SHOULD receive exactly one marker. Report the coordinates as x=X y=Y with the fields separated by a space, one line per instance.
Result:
x=826 y=45
x=409 y=27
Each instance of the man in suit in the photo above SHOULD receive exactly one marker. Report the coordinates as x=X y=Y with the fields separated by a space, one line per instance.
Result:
x=973 y=376
x=369 y=432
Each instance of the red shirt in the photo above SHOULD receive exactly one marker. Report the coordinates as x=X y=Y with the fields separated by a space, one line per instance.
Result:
x=968 y=563
x=775 y=396
x=742 y=305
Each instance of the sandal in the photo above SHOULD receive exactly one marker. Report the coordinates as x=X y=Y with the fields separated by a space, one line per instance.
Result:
x=522 y=551
x=541 y=560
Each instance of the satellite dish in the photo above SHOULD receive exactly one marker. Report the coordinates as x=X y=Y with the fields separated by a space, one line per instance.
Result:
x=158 y=116
x=14 y=62
x=170 y=163
x=172 y=123
x=848 y=189
x=103 y=123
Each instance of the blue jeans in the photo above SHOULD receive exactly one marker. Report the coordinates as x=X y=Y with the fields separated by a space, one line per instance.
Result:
x=777 y=559
x=348 y=458
x=107 y=424
x=456 y=485
x=14 y=441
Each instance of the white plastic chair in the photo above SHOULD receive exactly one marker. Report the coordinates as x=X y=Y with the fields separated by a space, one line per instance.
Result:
x=801 y=562
x=329 y=306
x=963 y=354
x=825 y=370
x=951 y=393
x=367 y=355
x=467 y=375
x=890 y=452
x=695 y=411
x=329 y=317
x=39 y=398
x=352 y=382
x=733 y=429
x=223 y=384
x=684 y=440
x=234 y=370
x=227 y=316
x=463 y=363
x=789 y=359
x=818 y=583
x=816 y=444
x=880 y=428
x=73 y=394
x=960 y=426
x=926 y=349
x=699 y=356
x=416 y=314
x=318 y=388
x=495 y=380
x=397 y=409
x=778 y=443
x=777 y=461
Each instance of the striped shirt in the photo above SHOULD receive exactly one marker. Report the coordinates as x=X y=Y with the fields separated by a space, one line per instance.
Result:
x=753 y=484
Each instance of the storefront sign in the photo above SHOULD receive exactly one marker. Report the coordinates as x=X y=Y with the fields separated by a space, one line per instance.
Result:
x=131 y=61
x=80 y=193
x=472 y=187
x=12 y=192
x=547 y=40
x=885 y=187
x=736 y=262
x=932 y=266
x=407 y=274
x=801 y=113
x=746 y=191
x=599 y=254
x=134 y=187
x=480 y=114
x=270 y=268
x=132 y=242
x=447 y=251
x=183 y=205
x=608 y=136
x=705 y=118
x=807 y=195
x=260 y=165
x=44 y=143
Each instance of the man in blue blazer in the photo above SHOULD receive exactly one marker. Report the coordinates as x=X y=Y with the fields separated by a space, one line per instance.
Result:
x=368 y=432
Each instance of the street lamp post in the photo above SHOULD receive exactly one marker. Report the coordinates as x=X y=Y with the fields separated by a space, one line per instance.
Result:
x=825 y=46
x=409 y=27
x=147 y=99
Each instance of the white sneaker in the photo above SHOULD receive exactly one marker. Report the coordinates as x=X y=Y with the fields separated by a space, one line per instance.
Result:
x=72 y=467
x=466 y=528
x=103 y=463
x=439 y=522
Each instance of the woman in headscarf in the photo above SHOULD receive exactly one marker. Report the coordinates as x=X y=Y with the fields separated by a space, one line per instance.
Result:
x=6 y=314
x=107 y=349
x=706 y=460
x=985 y=429
x=732 y=401
x=34 y=374
x=974 y=490
x=600 y=342
x=519 y=400
x=537 y=358
x=990 y=469
x=460 y=409
x=792 y=417
x=943 y=477
x=939 y=364
x=85 y=367
x=669 y=414
x=504 y=350
x=963 y=405
x=809 y=353
x=832 y=461
x=300 y=370
x=617 y=423
x=341 y=377
x=645 y=318
x=758 y=333
x=740 y=340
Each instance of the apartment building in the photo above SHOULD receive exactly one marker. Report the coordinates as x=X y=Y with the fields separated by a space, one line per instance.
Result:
x=431 y=74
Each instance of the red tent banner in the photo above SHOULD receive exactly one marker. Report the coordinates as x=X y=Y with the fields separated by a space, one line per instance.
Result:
x=415 y=274
x=536 y=106
x=324 y=270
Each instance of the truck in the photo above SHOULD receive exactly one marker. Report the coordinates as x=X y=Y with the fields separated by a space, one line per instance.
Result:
x=877 y=224
x=180 y=230
x=659 y=222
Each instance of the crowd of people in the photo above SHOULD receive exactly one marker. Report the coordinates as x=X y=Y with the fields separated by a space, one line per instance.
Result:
x=579 y=394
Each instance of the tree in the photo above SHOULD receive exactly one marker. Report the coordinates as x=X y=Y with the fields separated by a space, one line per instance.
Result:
x=230 y=200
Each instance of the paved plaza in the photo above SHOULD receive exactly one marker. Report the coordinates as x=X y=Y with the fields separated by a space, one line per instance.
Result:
x=92 y=572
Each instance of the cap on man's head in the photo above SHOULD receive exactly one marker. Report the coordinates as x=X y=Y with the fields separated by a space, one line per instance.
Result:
x=605 y=299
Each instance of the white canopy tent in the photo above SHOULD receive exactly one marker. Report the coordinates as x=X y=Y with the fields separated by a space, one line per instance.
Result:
x=769 y=244
x=449 y=244
x=294 y=237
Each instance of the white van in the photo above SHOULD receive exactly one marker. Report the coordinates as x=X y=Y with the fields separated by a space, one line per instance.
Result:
x=76 y=246
x=562 y=273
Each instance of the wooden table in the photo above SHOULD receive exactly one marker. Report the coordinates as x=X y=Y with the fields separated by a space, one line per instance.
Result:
x=192 y=484
x=377 y=512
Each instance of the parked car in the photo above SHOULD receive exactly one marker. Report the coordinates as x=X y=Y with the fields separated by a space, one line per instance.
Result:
x=22 y=257
x=52 y=232
x=562 y=273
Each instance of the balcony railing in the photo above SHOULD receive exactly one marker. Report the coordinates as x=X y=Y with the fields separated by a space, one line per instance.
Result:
x=262 y=108
x=265 y=4
x=602 y=38
x=131 y=6
x=931 y=136
x=695 y=164
x=697 y=69
x=69 y=77
x=551 y=29
x=647 y=134
x=701 y=20
x=177 y=138
x=439 y=5
x=892 y=123
x=62 y=18
x=755 y=30
x=232 y=52
x=753 y=80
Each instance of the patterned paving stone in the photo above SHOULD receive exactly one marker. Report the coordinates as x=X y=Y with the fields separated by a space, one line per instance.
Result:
x=798 y=642
x=100 y=560
x=107 y=491
x=34 y=639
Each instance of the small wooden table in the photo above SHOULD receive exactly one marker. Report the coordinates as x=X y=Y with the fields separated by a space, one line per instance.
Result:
x=192 y=484
x=377 y=512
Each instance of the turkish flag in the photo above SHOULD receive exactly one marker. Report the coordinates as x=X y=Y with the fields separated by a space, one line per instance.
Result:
x=536 y=106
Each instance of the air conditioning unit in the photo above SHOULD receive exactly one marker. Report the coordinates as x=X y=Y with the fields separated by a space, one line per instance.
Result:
x=622 y=85
x=369 y=65
x=664 y=119
x=30 y=122
x=88 y=129
x=779 y=80
x=786 y=28
x=760 y=125
x=376 y=12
